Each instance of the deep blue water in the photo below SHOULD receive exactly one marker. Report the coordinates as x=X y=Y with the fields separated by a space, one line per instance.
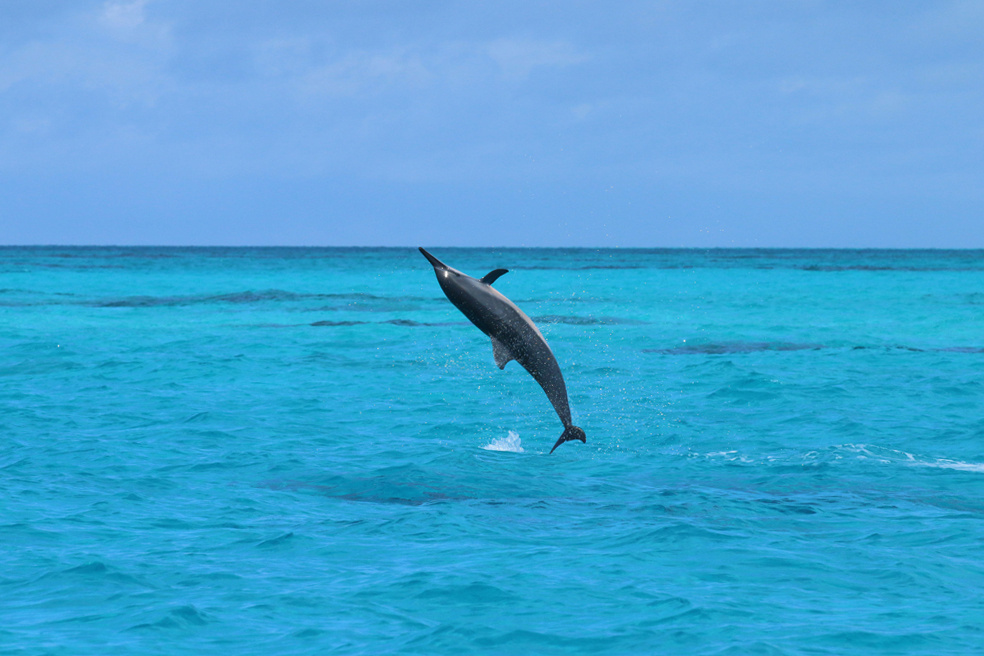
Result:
x=293 y=451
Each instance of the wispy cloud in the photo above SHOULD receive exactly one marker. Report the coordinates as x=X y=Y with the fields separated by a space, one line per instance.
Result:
x=517 y=58
x=77 y=55
x=364 y=71
x=367 y=72
x=123 y=15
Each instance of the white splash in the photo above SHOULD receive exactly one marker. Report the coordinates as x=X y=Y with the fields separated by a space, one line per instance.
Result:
x=509 y=443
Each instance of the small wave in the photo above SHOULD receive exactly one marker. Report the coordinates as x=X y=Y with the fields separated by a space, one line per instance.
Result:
x=168 y=301
x=730 y=456
x=274 y=295
x=583 y=267
x=722 y=348
x=914 y=349
x=182 y=617
x=954 y=464
x=850 y=267
x=730 y=348
x=845 y=452
x=889 y=456
x=584 y=321
x=510 y=443
x=617 y=267
x=407 y=323
x=277 y=541
x=899 y=347
x=338 y=323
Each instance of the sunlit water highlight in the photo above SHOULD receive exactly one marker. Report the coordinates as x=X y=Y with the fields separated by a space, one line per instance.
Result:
x=310 y=451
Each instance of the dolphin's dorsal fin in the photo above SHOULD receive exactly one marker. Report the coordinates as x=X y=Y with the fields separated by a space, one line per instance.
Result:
x=492 y=276
x=501 y=354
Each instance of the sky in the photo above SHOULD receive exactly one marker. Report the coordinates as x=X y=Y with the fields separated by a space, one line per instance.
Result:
x=726 y=123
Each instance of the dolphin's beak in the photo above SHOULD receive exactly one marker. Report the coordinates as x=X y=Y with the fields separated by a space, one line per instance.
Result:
x=433 y=260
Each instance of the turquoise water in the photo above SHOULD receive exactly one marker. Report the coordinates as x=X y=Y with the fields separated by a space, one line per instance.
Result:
x=310 y=451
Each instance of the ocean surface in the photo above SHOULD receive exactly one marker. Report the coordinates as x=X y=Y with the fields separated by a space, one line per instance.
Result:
x=311 y=451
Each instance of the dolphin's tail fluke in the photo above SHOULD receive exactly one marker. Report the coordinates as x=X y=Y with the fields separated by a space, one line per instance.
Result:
x=571 y=433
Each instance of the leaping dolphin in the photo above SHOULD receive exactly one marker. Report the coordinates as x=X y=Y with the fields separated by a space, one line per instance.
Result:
x=514 y=335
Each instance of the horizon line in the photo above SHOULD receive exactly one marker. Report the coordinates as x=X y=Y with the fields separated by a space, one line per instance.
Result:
x=504 y=247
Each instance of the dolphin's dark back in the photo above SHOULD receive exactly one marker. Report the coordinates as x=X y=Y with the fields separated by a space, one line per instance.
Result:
x=514 y=335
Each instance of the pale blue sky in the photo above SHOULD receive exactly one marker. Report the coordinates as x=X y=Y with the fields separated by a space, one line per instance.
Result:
x=727 y=123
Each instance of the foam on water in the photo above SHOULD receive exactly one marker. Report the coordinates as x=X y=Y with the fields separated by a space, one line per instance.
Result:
x=887 y=456
x=857 y=452
x=959 y=466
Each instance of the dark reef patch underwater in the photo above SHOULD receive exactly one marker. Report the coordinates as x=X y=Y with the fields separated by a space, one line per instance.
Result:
x=308 y=451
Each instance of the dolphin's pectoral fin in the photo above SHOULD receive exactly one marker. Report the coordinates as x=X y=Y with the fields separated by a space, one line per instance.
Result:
x=501 y=354
x=492 y=276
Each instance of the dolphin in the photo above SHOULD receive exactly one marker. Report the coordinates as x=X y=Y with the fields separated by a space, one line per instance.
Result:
x=514 y=335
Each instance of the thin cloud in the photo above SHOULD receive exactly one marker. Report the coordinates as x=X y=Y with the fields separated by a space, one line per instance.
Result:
x=123 y=15
x=517 y=58
x=366 y=72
